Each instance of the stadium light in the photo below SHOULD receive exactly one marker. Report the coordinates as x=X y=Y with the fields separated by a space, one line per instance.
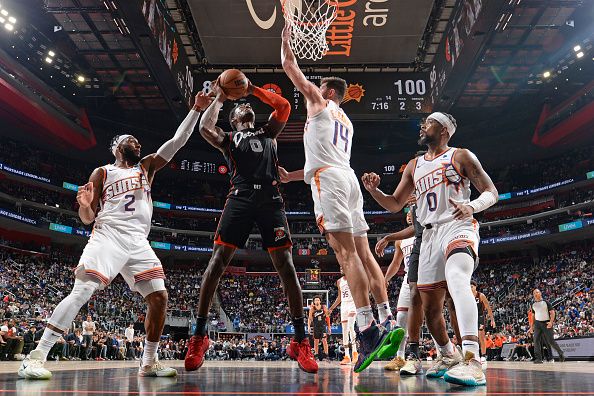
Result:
x=51 y=53
x=579 y=54
x=12 y=20
x=4 y=12
x=546 y=74
x=2 y=20
x=8 y=26
x=81 y=79
x=577 y=48
x=48 y=59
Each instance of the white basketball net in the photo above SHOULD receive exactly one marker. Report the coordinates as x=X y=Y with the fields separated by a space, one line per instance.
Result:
x=309 y=20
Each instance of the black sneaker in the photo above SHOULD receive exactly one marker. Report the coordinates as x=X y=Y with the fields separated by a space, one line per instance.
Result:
x=537 y=362
x=377 y=342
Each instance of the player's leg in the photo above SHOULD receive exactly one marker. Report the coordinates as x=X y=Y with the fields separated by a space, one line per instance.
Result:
x=377 y=284
x=325 y=344
x=462 y=242
x=144 y=273
x=232 y=232
x=272 y=223
x=453 y=318
x=100 y=262
x=344 y=323
x=58 y=324
x=482 y=340
x=401 y=321
x=316 y=345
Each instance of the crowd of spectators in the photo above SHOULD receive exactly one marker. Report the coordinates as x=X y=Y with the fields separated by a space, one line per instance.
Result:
x=32 y=284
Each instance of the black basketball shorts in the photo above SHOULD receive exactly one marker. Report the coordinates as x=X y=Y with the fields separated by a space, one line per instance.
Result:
x=319 y=332
x=248 y=206
x=413 y=262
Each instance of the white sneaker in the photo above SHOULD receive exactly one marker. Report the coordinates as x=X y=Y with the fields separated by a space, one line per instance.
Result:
x=156 y=370
x=32 y=367
x=468 y=373
x=443 y=364
x=412 y=367
x=484 y=363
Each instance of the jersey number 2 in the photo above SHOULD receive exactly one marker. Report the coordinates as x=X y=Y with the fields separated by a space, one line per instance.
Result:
x=127 y=206
x=432 y=201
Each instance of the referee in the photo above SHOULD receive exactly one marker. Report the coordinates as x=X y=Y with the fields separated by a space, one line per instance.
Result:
x=542 y=326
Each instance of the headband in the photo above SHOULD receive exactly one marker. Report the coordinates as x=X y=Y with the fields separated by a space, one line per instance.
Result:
x=117 y=143
x=445 y=121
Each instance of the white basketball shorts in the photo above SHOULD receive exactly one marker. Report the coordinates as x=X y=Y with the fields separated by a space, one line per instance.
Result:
x=338 y=202
x=437 y=243
x=109 y=253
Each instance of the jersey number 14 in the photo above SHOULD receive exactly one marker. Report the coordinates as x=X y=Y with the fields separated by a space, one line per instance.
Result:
x=343 y=132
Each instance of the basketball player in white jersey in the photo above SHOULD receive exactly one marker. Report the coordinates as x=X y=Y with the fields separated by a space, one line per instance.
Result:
x=118 y=199
x=441 y=182
x=403 y=250
x=348 y=311
x=338 y=204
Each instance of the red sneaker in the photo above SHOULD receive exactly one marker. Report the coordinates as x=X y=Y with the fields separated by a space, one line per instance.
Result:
x=302 y=353
x=197 y=347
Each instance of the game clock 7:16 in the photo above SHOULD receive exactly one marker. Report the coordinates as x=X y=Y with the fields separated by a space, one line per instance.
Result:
x=406 y=96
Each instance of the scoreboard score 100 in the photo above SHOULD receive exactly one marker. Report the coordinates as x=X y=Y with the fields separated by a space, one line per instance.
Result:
x=369 y=96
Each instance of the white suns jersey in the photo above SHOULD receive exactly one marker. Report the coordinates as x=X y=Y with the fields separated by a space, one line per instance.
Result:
x=436 y=182
x=345 y=292
x=126 y=203
x=406 y=245
x=328 y=139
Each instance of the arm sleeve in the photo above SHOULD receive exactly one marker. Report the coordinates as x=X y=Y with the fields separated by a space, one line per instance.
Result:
x=550 y=307
x=282 y=108
x=328 y=321
x=183 y=133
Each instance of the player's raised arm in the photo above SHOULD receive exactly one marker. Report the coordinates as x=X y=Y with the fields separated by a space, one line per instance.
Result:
x=395 y=202
x=88 y=196
x=471 y=168
x=153 y=162
x=313 y=95
x=280 y=115
x=208 y=123
x=338 y=298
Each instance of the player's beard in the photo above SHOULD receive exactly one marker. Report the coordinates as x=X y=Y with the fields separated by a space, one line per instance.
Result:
x=425 y=140
x=130 y=156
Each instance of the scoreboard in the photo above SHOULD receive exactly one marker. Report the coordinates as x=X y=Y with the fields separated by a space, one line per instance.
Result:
x=369 y=96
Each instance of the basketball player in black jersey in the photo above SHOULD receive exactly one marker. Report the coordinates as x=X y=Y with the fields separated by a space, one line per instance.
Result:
x=254 y=197
x=484 y=311
x=318 y=315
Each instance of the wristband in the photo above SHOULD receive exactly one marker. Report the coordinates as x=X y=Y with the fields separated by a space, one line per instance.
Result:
x=483 y=202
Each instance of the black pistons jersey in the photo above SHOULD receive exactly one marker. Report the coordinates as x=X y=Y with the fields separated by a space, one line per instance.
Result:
x=479 y=305
x=319 y=318
x=252 y=159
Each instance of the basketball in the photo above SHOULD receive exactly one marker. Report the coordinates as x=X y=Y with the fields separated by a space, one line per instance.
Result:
x=234 y=83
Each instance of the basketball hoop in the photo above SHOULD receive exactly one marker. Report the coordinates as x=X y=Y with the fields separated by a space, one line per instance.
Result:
x=309 y=20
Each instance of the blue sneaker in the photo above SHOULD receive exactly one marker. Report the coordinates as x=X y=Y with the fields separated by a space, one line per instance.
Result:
x=377 y=343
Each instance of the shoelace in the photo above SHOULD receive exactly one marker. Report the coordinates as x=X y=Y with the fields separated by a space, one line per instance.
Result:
x=307 y=349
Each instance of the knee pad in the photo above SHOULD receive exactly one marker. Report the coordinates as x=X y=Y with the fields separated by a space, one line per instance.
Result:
x=467 y=250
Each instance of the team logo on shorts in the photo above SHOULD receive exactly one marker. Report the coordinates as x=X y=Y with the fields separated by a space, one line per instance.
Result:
x=279 y=233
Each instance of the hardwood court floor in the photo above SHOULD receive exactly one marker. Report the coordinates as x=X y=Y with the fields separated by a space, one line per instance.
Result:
x=285 y=378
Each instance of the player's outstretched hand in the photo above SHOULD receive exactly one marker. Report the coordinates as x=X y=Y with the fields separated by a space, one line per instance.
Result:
x=218 y=91
x=371 y=181
x=85 y=193
x=250 y=89
x=202 y=101
x=380 y=246
x=461 y=211
x=412 y=199
x=284 y=175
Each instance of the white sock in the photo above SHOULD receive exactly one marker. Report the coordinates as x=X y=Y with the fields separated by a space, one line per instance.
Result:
x=364 y=317
x=384 y=311
x=47 y=341
x=471 y=346
x=347 y=351
x=150 y=353
x=447 y=349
